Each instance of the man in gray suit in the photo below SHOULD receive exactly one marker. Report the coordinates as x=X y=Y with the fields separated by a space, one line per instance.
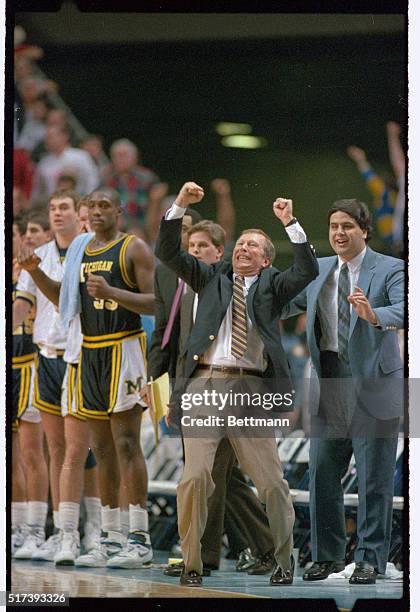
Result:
x=354 y=308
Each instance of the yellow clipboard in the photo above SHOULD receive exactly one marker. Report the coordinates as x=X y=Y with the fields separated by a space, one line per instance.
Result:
x=159 y=396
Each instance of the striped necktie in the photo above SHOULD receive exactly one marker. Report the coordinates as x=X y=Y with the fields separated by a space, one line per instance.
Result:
x=343 y=312
x=239 y=320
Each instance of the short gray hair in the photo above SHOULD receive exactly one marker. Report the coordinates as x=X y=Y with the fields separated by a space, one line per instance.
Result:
x=126 y=143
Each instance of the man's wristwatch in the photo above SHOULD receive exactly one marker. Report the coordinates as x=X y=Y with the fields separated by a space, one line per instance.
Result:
x=291 y=222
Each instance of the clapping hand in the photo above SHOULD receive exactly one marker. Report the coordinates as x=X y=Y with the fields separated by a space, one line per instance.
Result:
x=362 y=306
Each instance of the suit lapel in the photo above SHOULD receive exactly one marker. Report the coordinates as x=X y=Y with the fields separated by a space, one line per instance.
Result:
x=250 y=300
x=323 y=275
x=171 y=285
x=365 y=277
x=225 y=292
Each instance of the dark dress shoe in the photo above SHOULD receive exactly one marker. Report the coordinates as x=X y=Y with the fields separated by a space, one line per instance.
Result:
x=177 y=569
x=245 y=560
x=364 y=573
x=320 y=570
x=263 y=565
x=192 y=579
x=281 y=577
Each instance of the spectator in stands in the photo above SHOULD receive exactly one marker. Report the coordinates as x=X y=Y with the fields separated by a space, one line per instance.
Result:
x=22 y=172
x=383 y=192
x=56 y=117
x=93 y=145
x=33 y=131
x=61 y=155
x=133 y=182
x=397 y=159
x=67 y=179
x=20 y=202
x=27 y=92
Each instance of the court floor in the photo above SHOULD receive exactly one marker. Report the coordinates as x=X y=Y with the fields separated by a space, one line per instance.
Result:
x=151 y=582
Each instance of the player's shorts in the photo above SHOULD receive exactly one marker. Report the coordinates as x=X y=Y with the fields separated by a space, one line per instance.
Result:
x=112 y=370
x=69 y=396
x=23 y=373
x=49 y=378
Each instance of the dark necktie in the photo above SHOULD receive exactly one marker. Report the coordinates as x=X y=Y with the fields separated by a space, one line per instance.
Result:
x=343 y=312
x=176 y=302
x=239 y=320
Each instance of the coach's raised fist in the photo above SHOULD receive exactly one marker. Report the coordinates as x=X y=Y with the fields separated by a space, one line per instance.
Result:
x=28 y=259
x=283 y=209
x=190 y=193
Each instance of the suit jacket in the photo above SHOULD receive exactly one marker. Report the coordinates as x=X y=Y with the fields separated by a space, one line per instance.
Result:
x=265 y=300
x=164 y=360
x=373 y=352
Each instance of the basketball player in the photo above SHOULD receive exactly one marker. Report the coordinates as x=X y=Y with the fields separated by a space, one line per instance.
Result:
x=29 y=468
x=114 y=267
x=67 y=438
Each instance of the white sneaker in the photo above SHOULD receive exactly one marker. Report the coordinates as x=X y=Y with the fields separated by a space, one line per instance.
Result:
x=91 y=537
x=135 y=554
x=69 y=548
x=47 y=551
x=19 y=535
x=110 y=543
x=34 y=539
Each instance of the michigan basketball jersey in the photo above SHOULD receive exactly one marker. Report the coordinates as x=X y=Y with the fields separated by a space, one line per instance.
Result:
x=101 y=317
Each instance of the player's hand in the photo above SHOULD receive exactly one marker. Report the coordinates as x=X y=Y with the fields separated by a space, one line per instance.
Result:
x=283 y=209
x=190 y=193
x=159 y=191
x=356 y=154
x=97 y=287
x=220 y=187
x=170 y=416
x=393 y=129
x=362 y=306
x=145 y=395
x=27 y=259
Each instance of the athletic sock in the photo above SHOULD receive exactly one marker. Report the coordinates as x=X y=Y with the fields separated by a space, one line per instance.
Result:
x=139 y=519
x=110 y=519
x=19 y=513
x=69 y=515
x=37 y=513
x=93 y=510
x=125 y=522
x=56 y=519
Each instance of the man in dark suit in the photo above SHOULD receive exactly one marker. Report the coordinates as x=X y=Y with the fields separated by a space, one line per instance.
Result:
x=236 y=336
x=354 y=308
x=162 y=356
x=233 y=502
x=230 y=484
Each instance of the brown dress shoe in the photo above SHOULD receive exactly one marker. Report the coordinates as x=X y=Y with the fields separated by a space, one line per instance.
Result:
x=177 y=569
x=320 y=570
x=192 y=579
x=364 y=573
x=245 y=560
x=281 y=577
x=263 y=565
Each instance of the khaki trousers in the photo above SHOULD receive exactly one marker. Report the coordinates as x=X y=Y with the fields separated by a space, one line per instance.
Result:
x=258 y=457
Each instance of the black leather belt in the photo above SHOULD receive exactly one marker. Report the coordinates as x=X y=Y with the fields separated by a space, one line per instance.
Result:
x=230 y=370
